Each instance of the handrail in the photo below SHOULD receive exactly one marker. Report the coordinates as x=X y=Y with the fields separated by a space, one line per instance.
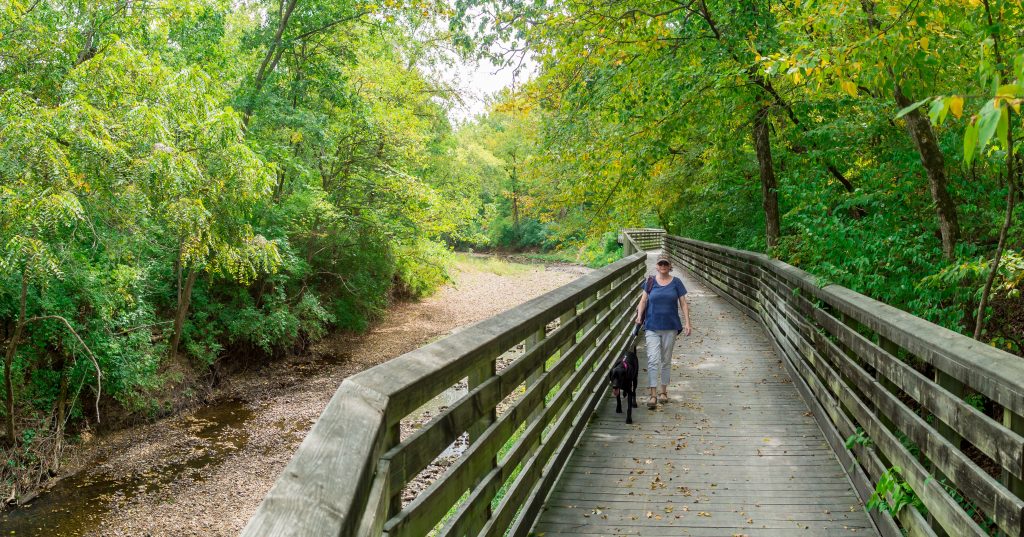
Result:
x=641 y=239
x=348 y=474
x=903 y=381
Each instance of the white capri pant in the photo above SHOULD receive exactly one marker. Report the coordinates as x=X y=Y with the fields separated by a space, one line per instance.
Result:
x=659 y=354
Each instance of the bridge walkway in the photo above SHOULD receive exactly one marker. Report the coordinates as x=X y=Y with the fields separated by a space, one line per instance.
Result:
x=736 y=452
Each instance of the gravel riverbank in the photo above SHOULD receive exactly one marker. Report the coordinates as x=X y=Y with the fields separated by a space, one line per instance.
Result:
x=204 y=473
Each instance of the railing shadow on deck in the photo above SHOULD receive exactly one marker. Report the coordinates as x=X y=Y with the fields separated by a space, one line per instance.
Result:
x=347 y=476
x=901 y=381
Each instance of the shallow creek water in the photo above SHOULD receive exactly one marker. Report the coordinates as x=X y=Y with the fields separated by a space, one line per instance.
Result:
x=76 y=505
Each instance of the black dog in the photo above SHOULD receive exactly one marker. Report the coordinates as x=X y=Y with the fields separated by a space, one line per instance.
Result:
x=623 y=377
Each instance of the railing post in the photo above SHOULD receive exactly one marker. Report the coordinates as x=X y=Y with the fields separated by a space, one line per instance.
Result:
x=1015 y=423
x=603 y=312
x=393 y=438
x=531 y=342
x=565 y=318
x=477 y=377
x=955 y=387
x=893 y=349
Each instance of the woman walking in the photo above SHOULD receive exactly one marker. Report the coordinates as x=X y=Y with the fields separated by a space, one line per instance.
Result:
x=658 y=311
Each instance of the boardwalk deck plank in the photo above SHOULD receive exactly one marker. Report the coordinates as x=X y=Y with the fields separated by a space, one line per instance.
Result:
x=737 y=444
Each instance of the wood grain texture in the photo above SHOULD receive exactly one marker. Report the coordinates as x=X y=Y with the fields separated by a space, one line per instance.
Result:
x=325 y=488
x=737 y=451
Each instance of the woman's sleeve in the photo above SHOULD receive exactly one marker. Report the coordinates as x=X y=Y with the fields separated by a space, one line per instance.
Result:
x=680 y=288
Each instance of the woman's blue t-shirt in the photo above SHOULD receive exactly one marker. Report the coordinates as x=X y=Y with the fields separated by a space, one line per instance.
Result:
x=663 y=305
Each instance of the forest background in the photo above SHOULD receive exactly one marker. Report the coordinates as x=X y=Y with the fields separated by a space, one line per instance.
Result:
x=187 y=186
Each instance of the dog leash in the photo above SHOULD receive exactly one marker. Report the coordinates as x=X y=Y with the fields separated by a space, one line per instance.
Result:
x=632 y=338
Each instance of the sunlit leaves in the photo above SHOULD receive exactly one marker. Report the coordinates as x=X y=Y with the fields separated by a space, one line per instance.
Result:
x=247 y=258
x=850 y=87
x=956 y=105
x=908 y=109
x=988 y=120
x=970 y=141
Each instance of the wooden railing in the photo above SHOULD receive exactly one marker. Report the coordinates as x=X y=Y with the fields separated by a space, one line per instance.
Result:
x=347 y=477
x=942 y=408
x=640 y=239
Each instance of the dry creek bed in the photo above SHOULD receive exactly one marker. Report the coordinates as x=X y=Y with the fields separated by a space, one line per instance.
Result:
x=205 y=472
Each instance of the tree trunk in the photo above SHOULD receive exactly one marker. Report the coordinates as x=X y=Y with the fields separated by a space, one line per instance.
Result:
x=920 y=130
x=515 y=211
x=513 y=176
x=765 y=84
x=61 y=413
x=62 y=399
x=184 y=300
x=1011 y=195
x=769 y=186
x=12 y=348
x=270 y=59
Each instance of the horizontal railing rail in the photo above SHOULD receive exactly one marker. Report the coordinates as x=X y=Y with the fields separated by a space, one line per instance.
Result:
x=891 y=391
x=348 y=475
x=641 y=239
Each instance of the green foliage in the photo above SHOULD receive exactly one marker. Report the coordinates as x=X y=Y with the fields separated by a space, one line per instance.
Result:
x=601 y=251
x=172 y=175
x=644 y=117
x=858 y=438
x=892 y=493
x=976 y=400
x=421 y=267
x=987 y=523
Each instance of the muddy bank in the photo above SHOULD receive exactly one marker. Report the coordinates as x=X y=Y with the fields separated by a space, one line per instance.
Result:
x=206 y=472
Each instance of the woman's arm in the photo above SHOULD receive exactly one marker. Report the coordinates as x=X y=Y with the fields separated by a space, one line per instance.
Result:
x=641 y=307
x=686 y=313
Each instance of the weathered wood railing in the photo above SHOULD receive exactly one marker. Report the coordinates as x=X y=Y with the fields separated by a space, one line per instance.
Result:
x=640 y=239
x=347 y=477
x=915 y=389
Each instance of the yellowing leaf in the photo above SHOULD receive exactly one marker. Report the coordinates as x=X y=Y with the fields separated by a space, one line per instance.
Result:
x=849 y=87
x=924 y=43
x=956 y=105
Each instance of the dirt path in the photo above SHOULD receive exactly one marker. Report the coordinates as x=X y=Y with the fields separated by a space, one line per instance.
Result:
x=206 y=472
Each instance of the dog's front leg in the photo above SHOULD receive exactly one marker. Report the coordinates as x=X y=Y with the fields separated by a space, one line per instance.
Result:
x=618 y=402
x=629 y=408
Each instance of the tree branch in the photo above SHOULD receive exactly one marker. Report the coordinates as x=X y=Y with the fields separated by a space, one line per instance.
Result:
x=95 y=363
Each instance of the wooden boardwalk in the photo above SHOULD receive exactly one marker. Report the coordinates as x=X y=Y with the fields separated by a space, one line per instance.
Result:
x=736 y=452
